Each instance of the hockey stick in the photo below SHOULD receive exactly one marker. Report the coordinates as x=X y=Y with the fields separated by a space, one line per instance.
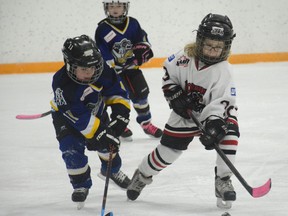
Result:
x=254 y=192
x=36 y=116
x=108 y=173
x=33 y=116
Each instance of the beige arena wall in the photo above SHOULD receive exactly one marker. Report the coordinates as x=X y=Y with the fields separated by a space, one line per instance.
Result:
x=31 y=40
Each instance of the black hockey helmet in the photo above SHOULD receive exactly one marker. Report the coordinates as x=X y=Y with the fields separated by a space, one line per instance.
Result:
x=82 y=51
x=116 y=20
x=214 y=27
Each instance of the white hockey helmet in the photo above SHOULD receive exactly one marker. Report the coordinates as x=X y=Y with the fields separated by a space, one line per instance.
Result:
x=116 y=20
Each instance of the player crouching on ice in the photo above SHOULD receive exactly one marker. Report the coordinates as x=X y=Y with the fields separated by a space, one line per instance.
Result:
x=83 y=88
x=198 y=79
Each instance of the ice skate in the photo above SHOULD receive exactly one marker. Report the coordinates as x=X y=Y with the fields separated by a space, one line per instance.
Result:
x=79 y=196
x=137 y=184
x=224 y=192
x=127 y=135
x=152 y=130
x=119 y=178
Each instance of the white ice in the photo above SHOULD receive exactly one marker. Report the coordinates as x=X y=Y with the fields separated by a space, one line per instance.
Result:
x=33 y=179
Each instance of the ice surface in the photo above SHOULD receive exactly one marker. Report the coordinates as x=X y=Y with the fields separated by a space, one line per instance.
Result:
x=33 y=179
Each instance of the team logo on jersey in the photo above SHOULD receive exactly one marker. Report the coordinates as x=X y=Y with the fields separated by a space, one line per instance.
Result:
x=195 y=94
x=122 y=50
x=182 y=61
x=233 y=91
x=110 y=36
x=59 y=98
x=191 y=87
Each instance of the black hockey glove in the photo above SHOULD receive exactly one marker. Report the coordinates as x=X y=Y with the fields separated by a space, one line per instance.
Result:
x=178 y=101
x=195 y=98
x=103 y=141
x=118 y=124
x=215 y=131
x=142 y=52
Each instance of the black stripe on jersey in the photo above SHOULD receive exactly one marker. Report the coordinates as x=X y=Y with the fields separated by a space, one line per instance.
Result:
x=233 y=130
x=233 y=133
x=229 y=152
x=181 y=129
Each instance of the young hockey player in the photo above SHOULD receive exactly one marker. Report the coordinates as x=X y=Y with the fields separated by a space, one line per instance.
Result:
x=83 y=88
x=125 y=46
x=198 y=79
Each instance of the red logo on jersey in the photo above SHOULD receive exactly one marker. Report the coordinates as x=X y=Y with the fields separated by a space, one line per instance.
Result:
x=182 y=61
x=195 y=93
x=191 y=87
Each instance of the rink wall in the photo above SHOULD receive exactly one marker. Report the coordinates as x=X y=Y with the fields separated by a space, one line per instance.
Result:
x=31 y=40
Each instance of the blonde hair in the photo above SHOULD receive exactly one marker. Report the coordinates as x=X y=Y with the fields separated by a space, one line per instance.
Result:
x=190 y=49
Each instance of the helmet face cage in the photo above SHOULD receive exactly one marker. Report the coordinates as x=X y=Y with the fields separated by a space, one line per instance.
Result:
x=218 y=28
x=120 y=19
x=82 y=52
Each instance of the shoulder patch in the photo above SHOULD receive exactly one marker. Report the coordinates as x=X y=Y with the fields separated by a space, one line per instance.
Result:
x=59 y=99
x=110 y=36
x=170 y=58
x=233 y=91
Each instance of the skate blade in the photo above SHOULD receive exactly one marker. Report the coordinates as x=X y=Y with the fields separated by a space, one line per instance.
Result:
x=226 y=214
x=80 y=205
x=223 y=204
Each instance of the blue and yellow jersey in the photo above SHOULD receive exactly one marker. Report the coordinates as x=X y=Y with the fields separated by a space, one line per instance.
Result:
x=83 y=105
x=116 y=42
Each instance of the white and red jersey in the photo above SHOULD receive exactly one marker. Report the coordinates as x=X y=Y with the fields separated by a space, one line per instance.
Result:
x=212 y=84
x=215 y=93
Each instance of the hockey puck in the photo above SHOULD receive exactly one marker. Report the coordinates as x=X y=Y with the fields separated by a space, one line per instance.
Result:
x=226 y=214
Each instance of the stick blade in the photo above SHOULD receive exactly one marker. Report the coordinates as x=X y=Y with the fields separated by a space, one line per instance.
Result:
x=28 y=117
x=108 y=214
x=262 y=190
x=33 y=116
